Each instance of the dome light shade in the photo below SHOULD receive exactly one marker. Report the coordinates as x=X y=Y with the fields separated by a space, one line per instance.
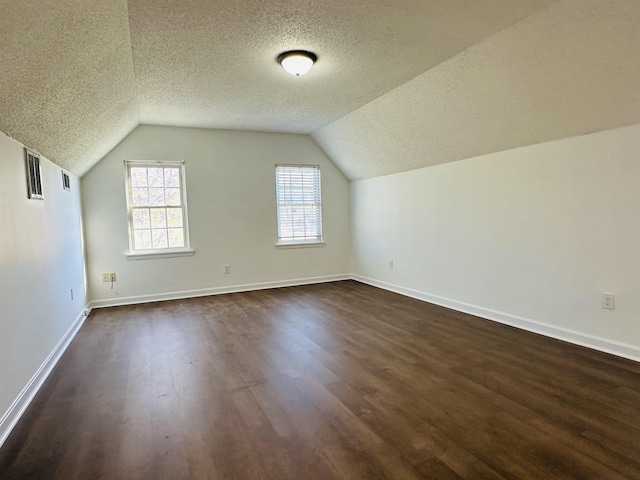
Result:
x=297 y=62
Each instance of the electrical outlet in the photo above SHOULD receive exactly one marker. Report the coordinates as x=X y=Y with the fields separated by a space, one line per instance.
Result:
x=105 y=278
x=390 y=263
x=112 y=277
x=608 y=301
x=227 y=269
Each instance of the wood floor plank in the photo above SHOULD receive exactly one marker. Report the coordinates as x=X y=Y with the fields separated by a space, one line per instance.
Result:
x=331 y=381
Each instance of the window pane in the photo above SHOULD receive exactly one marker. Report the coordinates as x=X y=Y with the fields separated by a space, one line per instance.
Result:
x=172 y=177
x=159 y=238
x=141 y=218
x=286 y=222
x=156 y=177
x=312 y=224
x=158 y=218
x=142 y=239
x=172 y=196
x=174 y=217
x=176 y=237
x=138 y=177
x=140 y=197
x=156 y=196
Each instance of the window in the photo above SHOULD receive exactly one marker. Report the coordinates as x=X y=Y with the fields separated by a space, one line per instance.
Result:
x=157 y=208
x=299 y=204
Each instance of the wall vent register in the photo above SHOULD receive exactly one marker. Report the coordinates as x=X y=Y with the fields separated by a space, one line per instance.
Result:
x=34 y=175
x=66 y=181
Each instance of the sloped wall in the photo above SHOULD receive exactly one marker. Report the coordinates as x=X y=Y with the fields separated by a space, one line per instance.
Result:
x=531 y=236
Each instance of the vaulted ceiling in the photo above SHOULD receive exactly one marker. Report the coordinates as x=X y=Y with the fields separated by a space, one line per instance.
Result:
x=398 y=85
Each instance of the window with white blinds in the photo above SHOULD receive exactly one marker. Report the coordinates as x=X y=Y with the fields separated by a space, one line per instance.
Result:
x=299 y=204
x=156 y=201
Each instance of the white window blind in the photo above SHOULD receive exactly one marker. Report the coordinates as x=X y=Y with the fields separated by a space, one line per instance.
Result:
x=157 y=206
x=299 y=203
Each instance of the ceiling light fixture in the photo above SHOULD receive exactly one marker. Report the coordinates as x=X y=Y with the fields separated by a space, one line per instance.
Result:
x=297 y=62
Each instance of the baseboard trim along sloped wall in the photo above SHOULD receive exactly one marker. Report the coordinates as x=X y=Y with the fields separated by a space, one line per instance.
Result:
x=205 y=292
x=630 y=352
x=11 y=417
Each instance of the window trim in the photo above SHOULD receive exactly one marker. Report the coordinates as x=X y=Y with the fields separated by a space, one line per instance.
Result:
x=133 y=254
x=159 y=254
x=298 y=243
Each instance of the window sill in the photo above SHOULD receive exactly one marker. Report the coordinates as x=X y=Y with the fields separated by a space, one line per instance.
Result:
x=300 y=244
x=159 y=254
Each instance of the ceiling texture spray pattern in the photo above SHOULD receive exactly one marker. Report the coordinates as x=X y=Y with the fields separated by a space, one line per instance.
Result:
x=571 y=69
x=78 y=75
x=398 y=85
x=67 y=87
x=213 y=64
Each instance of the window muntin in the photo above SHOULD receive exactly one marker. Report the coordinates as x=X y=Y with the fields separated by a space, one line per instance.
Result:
x=156 y=201
x=299 y=204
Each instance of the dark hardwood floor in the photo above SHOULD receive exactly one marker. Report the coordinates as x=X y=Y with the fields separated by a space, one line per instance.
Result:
x=329 y=381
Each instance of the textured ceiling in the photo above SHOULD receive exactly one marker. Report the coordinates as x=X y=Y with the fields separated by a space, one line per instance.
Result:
x=212 y=63
x=570 y=69
x=67 y=87
x=398 y=85
x=77 y=75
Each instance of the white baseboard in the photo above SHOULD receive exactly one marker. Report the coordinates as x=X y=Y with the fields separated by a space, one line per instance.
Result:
x=20 y=404
x=114 y=302
x=619 y=349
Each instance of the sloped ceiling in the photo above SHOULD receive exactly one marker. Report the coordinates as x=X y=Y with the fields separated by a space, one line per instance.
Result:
x=67 y=85
x=212 y=63
x=570 y=69
x=398 y=85
x=77 y=76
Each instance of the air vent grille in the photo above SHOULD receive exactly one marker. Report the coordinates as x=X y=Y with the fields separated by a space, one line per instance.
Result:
x=66 y=181
x=34 y=176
